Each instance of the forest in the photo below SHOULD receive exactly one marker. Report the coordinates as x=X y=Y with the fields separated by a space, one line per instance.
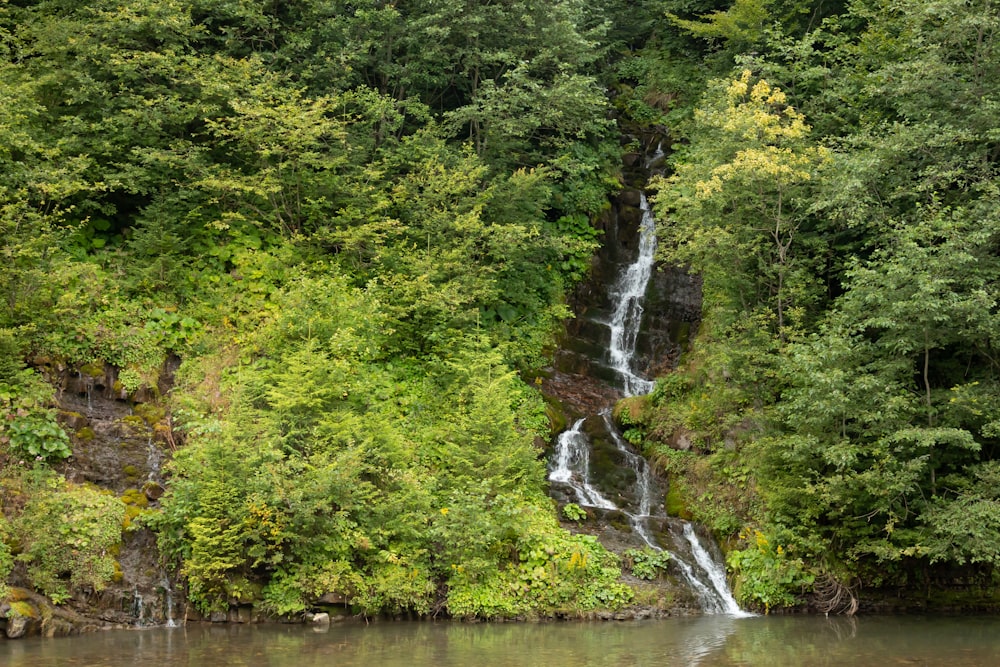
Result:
x=322 y=252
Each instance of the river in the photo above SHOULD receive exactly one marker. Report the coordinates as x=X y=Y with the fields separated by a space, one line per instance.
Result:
x=704 y=641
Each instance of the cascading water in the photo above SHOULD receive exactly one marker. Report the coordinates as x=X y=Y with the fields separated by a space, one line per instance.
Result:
x=627 y=295
x=657 y=157
x=571 y=461
x=571 y=466
x=138 y=606
x=168 y=602
x=716 y=575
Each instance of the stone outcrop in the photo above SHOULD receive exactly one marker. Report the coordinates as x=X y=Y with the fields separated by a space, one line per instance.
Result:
x=26 y=614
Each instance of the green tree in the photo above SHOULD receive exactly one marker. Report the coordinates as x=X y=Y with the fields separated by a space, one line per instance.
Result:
x=743 y=201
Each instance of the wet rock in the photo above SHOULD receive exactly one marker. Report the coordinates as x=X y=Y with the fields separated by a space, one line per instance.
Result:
x=62 y=627
x=153 y=491
x=629 y=217
x=578 y=394
x=332 y=598
x=242 y=614
x=30 y=614
x=630 y=197
x=73 y=421
x=682 y=440
x=20 y=626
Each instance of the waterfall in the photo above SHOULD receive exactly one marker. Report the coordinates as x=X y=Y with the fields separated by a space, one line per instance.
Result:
x=168 y=602
x=657 y=157
x=571 y=461
x=572 y=467
x=643 y=474
x=716 y=574
x=138 y=607
x=627 y=294
x=153 y=459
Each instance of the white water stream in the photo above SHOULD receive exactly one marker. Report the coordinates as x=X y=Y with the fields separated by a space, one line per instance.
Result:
x=571 y=462
x=628 y=294
x=168 y=602
x=721 y=595
x=571 y=466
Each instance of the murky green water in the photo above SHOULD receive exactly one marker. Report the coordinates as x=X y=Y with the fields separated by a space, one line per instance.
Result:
x=709 y=641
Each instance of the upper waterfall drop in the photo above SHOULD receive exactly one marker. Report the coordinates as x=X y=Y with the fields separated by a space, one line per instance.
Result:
x=627 y=294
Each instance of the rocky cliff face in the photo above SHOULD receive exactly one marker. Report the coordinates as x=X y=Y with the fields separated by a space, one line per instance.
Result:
x=120 y=442
x=672 y=304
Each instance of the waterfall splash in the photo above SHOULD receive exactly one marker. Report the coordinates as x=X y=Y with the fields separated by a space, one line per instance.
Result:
x=138 y=607
x=168 y=603
x=571 y=461
x=571 y=466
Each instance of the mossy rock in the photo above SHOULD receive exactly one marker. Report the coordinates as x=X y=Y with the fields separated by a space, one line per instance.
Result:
x=631 y=411
x=15 y=594
x=85 y=434
x=92 y=370
x=23 y=619
x=149 y=413
x=675 y=505
x=131 y=471
x=131 y=513
x=72 y=420
x=153 y=490
x=556 y=414
x=24 y=608
x=135 y=497
x=133 y=423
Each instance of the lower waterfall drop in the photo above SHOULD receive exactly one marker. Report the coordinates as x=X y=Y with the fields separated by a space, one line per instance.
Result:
x=138 y=607
x=168 y=603
x=715 y=572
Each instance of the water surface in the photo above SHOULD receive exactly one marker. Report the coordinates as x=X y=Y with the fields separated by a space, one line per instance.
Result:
x=706 y=641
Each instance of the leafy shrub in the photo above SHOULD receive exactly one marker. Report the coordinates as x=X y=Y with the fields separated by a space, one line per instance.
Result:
x=28 y=426
x=765 y=573
x=6 y=557
x=647 y=563
x=37 y=436
x=553 y=572
x=66 y=533
x=574 y=512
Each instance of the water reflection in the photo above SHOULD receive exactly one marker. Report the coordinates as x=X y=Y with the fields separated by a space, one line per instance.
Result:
x=705 y=642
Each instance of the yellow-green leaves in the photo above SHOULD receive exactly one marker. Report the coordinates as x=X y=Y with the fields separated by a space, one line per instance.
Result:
x=740 y=195
x=768 y=136
x=757 y=111
x=742 y=24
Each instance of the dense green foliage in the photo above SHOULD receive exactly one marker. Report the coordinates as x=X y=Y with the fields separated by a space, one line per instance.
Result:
x=354 y=223
x=837 y=192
